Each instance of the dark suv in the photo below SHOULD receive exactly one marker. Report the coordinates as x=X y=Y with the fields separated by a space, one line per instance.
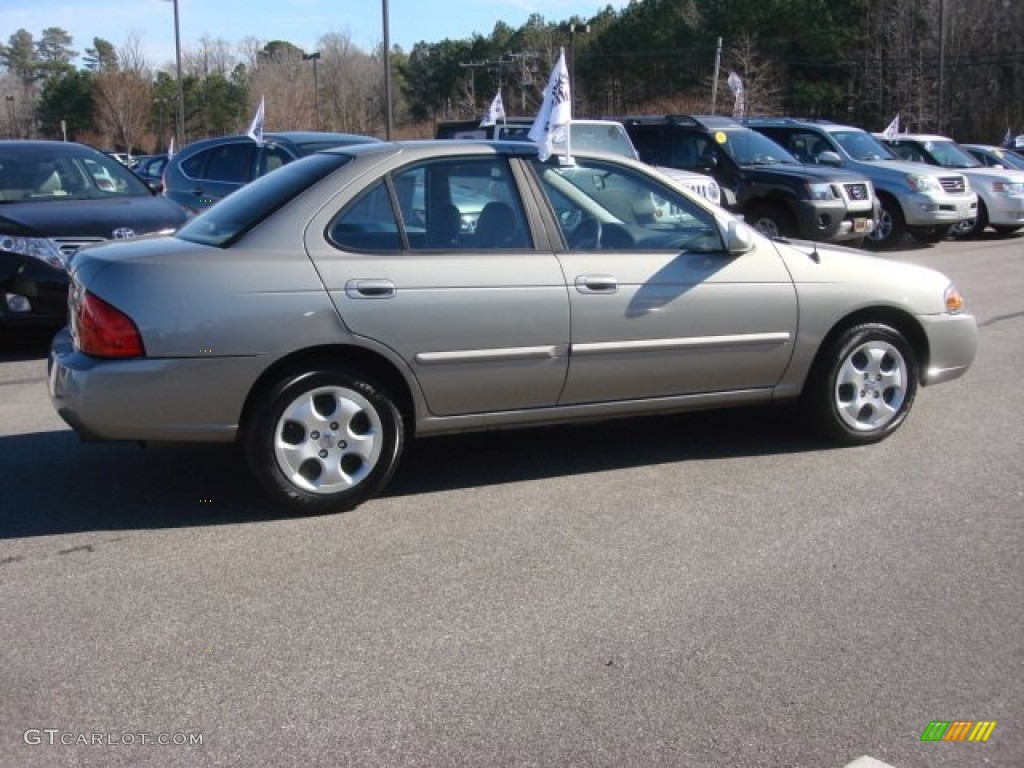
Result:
x=774 y=191
x=206 y=171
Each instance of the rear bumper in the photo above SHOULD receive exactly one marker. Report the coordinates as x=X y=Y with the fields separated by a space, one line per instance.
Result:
x=186 y=399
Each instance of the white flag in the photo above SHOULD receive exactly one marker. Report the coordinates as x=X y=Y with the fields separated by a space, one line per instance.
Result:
x=495 y=112
x=170 y=149
x=256 y=128
x=892 y=130
x=552 y=122
x=740 y=104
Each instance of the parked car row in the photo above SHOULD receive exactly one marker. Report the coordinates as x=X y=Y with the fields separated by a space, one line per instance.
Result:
x=794 y=179
x=1000 y=190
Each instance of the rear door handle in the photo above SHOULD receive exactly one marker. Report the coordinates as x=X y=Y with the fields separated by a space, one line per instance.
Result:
x=375 y=288
x=597 y=284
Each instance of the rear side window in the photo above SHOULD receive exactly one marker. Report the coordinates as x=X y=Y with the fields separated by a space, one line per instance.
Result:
x=227 y=162
x=465 y=204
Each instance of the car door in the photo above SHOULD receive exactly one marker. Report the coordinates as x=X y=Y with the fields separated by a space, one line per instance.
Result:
x=436 y=261
x=659 y=308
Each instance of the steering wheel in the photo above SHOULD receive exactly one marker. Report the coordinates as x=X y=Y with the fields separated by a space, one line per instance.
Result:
x=586 y=236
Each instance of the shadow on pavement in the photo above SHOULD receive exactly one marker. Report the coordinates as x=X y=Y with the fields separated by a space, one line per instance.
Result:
x=56 y=485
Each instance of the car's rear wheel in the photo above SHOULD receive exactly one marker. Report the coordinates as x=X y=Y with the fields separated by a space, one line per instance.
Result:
x=771 y=220
x=863 y=384
x=890 y=227
x=324 y=441
x=933 y=234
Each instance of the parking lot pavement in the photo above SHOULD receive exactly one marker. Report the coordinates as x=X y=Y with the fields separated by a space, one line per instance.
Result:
x=713 y=590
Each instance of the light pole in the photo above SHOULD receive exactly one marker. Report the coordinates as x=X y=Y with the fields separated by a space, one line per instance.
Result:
x=387 y=73
x=314 y=57
x=160 y=122
x=573 y=29
x=181 y=86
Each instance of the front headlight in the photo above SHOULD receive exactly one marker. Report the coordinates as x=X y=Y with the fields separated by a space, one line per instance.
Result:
x=923 y=183
x=820 y=191
x=954 y=300
x=1008 y=187
x=41 y=248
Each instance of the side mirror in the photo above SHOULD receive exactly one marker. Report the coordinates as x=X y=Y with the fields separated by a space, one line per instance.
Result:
x=739 y=238
x=156 y=186
x=828 y=157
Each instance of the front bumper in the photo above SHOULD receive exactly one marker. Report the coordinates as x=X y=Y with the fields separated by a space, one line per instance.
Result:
x=931 y=210
x=952 y=346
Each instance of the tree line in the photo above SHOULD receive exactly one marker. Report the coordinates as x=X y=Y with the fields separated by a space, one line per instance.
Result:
x=954 y=67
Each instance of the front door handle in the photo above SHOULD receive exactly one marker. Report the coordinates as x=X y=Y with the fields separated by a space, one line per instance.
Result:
x=375 y=288
x=597 y=284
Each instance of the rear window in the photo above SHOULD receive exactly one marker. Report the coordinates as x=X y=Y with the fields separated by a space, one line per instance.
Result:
x=222 y=224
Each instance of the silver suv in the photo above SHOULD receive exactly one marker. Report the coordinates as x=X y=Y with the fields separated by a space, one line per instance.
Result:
x=925 y=203
x=1000 y=190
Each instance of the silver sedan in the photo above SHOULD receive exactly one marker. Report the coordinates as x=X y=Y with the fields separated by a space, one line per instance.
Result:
x=334 y=309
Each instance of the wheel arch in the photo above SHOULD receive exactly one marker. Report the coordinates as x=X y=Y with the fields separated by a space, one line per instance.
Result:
x=350 y=357
x=896 y=318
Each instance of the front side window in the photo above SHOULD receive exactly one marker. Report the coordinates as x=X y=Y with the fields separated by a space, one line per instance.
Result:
x=601 y=206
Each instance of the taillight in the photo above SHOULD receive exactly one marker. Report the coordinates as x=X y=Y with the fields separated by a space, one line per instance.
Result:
x=105 y=331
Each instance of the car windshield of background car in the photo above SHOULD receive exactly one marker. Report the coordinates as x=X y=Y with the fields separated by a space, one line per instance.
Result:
x=950 y=155
x=749 y=147
x=40 y=173
x=861 y=145
x=222 y=224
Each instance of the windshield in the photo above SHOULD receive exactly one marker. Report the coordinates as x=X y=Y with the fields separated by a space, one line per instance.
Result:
x=749 y=147
x=861 y=145
x=949 y=154
x=56 y=172
x=236 y=214
x=1004 y=158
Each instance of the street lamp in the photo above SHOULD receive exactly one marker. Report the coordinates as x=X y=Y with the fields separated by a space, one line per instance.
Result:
x=181 y=85
x=573 y=29
x=387 y=73
x=314 y=57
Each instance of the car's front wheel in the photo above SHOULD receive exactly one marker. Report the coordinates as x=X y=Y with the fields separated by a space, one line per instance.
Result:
x=863 y=384
x=890 y=227
x=324 y=441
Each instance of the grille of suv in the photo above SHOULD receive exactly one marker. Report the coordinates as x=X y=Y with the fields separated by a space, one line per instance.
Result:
x=952 y=183
x=857 y=191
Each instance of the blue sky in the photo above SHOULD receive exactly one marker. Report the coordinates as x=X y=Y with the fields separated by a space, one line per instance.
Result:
x=300 y=22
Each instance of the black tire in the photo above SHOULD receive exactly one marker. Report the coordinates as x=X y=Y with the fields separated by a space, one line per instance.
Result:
x=324 y=441
x=972 y=227
x=771 y=220
x=890 y=227
x=1002 y=230
x=863 y=385
x=931 y=235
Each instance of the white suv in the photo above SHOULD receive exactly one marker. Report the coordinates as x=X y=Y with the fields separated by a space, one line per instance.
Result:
x=1000 y=190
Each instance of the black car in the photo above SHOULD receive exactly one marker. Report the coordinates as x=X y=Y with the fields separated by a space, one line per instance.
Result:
x=206 y=171
x=773 y=190
x=56 y=197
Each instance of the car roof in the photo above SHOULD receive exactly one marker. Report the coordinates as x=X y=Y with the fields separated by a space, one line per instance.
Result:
x=468 y=148
x=293 y=137
x=914 y=137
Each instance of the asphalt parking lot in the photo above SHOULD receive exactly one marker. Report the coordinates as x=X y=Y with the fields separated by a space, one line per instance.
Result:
x=715 y=589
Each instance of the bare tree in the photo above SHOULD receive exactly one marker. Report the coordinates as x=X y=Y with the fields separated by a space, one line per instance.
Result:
x=124 y=97
x=761 y=76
